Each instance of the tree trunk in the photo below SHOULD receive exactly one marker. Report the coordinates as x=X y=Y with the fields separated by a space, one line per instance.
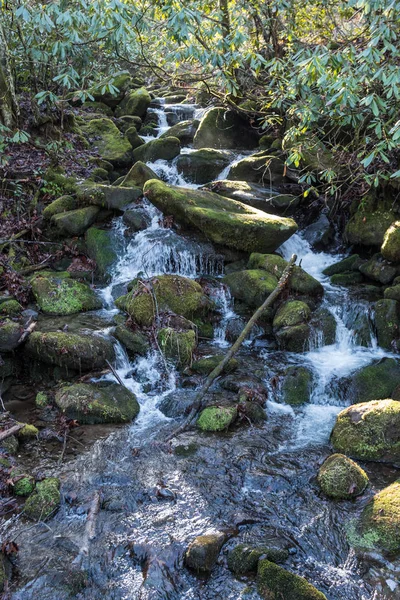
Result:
x=8 y=100
x=226 y=24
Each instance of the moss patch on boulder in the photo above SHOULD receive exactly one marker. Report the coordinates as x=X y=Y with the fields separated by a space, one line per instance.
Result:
x=387 y=323
x=100 y=249
x=62 y=204
x=91 y=403
x=135 y=103
x=159 y=149
x=222 y=220
x=263 y=167
x=109 y=196
x=216 y=418
x=244 y=558
x=138 y=175
x=275 y=583
x=44 y=501
x=63 y=296
x=202 y=553
x=369 y=431
x=10 y=333
x=75 y=222
x=251 y=287
x=107 y=139
x=293 y=312
x=341 y=478
x=369 y=223
x=204 y=366
x=134 y=341
x=10 y=308
x=350 y=263
x=184 y=131
x=376 y=381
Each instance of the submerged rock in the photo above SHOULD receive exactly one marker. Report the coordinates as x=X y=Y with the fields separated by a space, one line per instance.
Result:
x=391 y=243
x=297 y=385
x=341 y=478
x=203 y=165
x=91 y=403
x=375 y=382
x=222 y=128
x=63 y=296
x=44 y=501
x=177 y=345
x=244 y=558
x=378 y=527
x=216 y=418
x=369 y=431
x=202 y=553
x=223 y=221
x=159 y=149
x=107 y=139
x=70 y=350
x=275 y=583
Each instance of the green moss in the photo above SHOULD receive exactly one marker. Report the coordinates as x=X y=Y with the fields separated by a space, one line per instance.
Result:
x=300 y=282
x=204 y=366
x=58 y=182
x=134 y=341
x=41 y=400
x=369 y=431
x=28 y=431
x=295 y=338
x=216 y=418
x=138 y=175
x=108 y=196
x=323 y=322
x=107 y=139
x=165 y=149
x=202 y=553
x=44 y=501
x=24 y=486
x=75 y=222
x=252 y=286
x=222 y=220
x=370 y=222
x=98 y=107
x=177 y=345
x=90 y=403
x=221 y=128
x=135 y=103
x=378 y=269
x=10 y=308
x=347 y=278
x=387 y=323
x=58 y=296
x=275 y=583
x=351 y=263
x=204 y=330
x=376 y=381
x=341 y=478
x=100 y=248
x=391 y=243
x=379 y=525
x=62 y=204
x=297 y=385
x=244 y=558
x=293 y=312
x=134 y=138
x=263 y=167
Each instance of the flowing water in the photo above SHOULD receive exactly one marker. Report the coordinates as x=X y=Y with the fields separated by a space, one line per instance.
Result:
x=256 y=484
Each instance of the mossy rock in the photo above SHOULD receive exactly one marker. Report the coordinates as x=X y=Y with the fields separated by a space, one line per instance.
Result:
x=216 y=418
x=94 y=106
x=350 y=263
x=390 y=248
x=27 y=432
x=369 y=223
x=387 y=323
x=138 y=175
x=204 y=366
x=251 y=287
x=100 y=248
x=122 y=81
x=62 y=204
x=297 y=385
x=262 y=167
x=10 y=333
x=70 y=350
x=391 y=293
x=134 y=138
x=10 y=308
x=91 y=403
x=323 y=323
x=202 y=553
x=177 y=345
x=378 y=527
x=223 y=221
x=63 y=184
x=136 y=218
x=244 y=558
x=295 y=338
x=127 y=121
x=375 y=382
x=75 y=222
x=341 y=478
x=59 y=296
x=203 y=165
x=300 y=281
x=134 y=341
x=44 y=501
x=135 y=103
x=369 y=431
x=275 y=583
x=106 y=138
x=178 y=294
x=23 y=485
x=378 y=269
x=109 y=196
x=260 y=197
x=184 y=131
x=347 y=278
x=222 y=128
x=159 y=149
x=42 y=400
x=293 y=312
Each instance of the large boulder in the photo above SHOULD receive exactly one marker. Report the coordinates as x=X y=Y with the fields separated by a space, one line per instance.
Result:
x=204 y=366
x=387 y=323
x=138 y=175
x=159 y=149
x=222 y=220
x=293 y=312
x=93 y=403
x=184 y=131
x=100 y=248
x=75 y=222
x=378 y=269
x=252 y=286
x=62 y=204
x=57 y=294
x=203 y=165
x=221 y=128
x=275 y=583
x=375 y=382
x=369 y=431
x=110 y=144
x=390 y=248
x=259 y=168
x=346 y=265
x=378 y=528
x=256 y=195
x=70 y=350
x=370 y=221
x=10 y=334
x=109 y=196
x=181 y=295
x=134 y=138
x=135 y=103
x=341 y=478
x=202 y=553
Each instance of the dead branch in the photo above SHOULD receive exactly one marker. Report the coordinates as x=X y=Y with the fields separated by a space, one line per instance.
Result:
x=27 y=332
x=90 y=532
x=9 y=432
x=114 y=372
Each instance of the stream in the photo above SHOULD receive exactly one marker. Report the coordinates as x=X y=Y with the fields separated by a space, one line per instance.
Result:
x=256 y=483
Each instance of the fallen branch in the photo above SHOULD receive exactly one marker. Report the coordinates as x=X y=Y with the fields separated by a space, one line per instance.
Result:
x=27 y=332
x=114 y=372
x=90 y=531
x=9 y=432
x=198 y=402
